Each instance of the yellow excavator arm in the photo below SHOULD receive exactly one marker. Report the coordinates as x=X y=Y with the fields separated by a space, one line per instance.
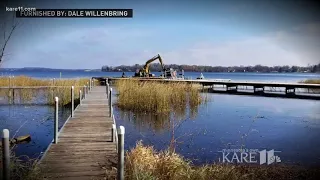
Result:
x=145 y=72
x=146 y=66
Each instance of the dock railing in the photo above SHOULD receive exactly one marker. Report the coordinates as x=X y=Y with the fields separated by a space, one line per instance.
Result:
x=82 y=95
x=117 y=133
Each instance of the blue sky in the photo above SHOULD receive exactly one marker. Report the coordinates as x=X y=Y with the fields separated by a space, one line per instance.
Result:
x=214 y=33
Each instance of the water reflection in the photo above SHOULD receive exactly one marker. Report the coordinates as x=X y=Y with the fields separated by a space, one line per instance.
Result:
x=34 y=120
x=23 y=96
x=287 y=125
x=160 y=122
x=155 y=122
x=143 y=121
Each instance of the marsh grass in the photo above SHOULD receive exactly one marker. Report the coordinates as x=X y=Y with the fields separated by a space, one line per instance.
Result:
x=157 y=97
x=22 y=169
x=311 y=81
x=54 y=88
x=22 y=81
x=143 y=162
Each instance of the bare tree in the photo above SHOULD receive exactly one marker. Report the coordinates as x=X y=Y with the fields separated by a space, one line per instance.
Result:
x=8 y=29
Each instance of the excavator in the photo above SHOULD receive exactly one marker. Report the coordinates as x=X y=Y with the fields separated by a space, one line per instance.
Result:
x=168 y=73
x=145 y=71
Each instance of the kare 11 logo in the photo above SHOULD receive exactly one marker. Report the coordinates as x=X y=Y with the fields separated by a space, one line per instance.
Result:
x=249 y=156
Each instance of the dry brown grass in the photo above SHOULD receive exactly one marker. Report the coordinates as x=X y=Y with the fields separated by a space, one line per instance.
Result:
x=143 y=162
x=64 y=93
x=312 y=81
x=22 y=81
x=55 y=88
x=22 y=170
x=157 y=97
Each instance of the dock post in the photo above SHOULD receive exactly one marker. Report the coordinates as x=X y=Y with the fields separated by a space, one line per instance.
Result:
x=107 y=87
x=87 y=89
x=5 y=155
x=56 y=119
x=110 y=102
x=80 y=96
x=108 y=90
x=113 y=133
x=12 y=95
x=9 y=82
x=72 y=101
x=121 y=132
x=84 y=92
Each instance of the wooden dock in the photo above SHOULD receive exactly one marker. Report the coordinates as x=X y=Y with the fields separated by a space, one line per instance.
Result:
x=85 y=148
x=277 y=89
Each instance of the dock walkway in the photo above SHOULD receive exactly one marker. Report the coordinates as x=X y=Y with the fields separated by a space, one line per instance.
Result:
x=85 y=149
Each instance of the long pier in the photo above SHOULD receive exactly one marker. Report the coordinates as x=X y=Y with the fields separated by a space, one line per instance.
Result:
x=278 y=89
x=85 y=147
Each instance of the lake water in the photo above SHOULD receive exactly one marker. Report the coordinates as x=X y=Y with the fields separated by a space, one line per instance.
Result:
x=291 y=126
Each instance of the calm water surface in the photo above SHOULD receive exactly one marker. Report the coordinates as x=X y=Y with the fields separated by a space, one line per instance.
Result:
x=286 y=125
x=35 y=120
x=291 y=126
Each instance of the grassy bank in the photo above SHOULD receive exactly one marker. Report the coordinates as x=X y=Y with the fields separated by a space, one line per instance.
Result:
x=157 y=97
x=144 y=162
x=58 y=87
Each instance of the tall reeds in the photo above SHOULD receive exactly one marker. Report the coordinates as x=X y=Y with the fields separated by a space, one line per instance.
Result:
x=22 y=169
x=143 y=162
x=311 y=81
x=157 y=97
x=50 y=88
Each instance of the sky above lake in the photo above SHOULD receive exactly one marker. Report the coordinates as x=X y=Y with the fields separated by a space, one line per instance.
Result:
x=216 y=33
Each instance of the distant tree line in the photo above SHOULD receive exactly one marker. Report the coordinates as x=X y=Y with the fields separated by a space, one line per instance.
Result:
x=156 y=67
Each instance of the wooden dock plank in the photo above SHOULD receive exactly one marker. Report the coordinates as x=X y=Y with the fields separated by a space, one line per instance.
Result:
x=50 y=162
x=84 y=144
x=100 y=173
